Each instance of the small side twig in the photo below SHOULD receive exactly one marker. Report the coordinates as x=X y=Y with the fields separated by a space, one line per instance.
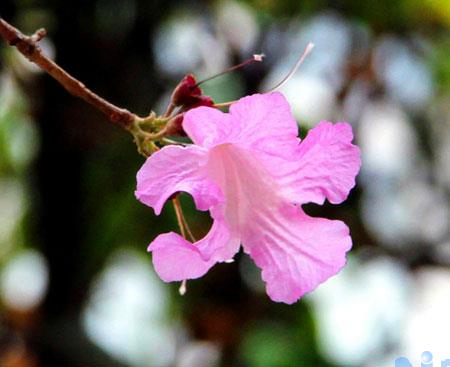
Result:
x=182 y=223
x=28 y=46
x=185 y=231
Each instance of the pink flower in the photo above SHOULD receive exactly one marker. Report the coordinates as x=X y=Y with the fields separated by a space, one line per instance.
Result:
x=250 y=170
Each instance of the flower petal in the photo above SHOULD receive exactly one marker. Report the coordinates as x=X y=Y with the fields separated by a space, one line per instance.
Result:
x=208 y=126
x=324 y=166
x=174 y=169
x=266 y=124
x=295 y=252
x=222 y=242
x=262 y=122
x=175 y=258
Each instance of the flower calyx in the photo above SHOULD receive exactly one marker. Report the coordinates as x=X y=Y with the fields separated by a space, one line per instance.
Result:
x=151 y=131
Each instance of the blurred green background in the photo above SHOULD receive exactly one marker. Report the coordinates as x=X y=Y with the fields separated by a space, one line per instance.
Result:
x=77 y=287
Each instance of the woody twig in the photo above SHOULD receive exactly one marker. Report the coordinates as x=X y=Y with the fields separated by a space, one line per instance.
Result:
x=29 y=47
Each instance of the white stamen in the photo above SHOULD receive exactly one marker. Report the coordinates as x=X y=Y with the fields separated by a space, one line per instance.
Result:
x=183 y=289
x=258 y=57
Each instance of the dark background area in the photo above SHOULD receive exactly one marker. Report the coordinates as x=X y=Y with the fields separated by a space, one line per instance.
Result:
x=80 y=211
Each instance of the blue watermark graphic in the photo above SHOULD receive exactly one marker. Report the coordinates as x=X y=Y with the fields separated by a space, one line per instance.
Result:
x=426 y=361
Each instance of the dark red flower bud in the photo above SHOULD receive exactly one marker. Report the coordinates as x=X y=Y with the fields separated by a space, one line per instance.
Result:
x=186 y=95
x=175 y=126
x=206 y=101
x=186 y=92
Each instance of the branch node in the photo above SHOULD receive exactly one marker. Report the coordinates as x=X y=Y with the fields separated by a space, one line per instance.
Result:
x=39 y=35
x=15 y=40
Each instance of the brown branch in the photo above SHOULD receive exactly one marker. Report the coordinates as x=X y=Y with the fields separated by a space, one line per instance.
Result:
x=28 y=46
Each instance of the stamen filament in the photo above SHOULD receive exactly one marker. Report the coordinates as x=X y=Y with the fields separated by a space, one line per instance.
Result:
x=253 y=59
x=302 y=58
x=223 y=104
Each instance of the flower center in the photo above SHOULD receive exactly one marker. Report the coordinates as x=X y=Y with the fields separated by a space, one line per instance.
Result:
x=245 y=183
